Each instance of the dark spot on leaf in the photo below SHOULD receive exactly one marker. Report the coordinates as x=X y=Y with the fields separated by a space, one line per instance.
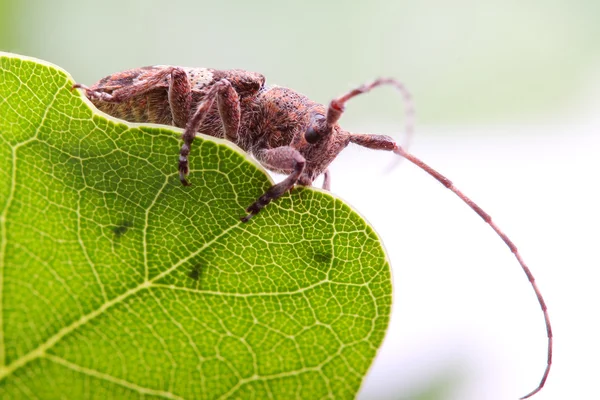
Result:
x=195 y=272
x=321 y=257
x=122 y=228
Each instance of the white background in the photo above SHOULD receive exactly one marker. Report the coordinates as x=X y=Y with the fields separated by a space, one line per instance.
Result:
x=464 y=310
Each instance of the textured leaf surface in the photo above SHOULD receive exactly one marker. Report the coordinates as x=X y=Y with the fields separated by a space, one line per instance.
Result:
x=117 y=282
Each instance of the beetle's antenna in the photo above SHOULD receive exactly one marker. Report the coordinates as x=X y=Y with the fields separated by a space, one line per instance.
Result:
x=382 y=142
x=486 y=217
x=336 y=106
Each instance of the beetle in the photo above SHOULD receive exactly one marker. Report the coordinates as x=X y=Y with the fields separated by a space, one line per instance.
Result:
x=285 y=131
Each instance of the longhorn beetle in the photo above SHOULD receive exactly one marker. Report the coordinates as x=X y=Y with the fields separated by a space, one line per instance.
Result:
x=287 y=132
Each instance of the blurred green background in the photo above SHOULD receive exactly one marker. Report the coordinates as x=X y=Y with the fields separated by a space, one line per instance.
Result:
x=499 y=70
x=465 y=61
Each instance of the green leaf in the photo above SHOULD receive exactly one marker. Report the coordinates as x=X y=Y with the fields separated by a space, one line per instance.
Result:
x=118 y=282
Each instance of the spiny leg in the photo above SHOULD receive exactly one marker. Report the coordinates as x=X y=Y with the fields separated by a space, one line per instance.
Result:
x=381 y=142
x=229 y=110
x=283 y=158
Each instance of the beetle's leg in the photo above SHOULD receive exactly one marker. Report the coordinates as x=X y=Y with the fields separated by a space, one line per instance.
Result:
x=92 y=93
x=284 y=158
x=327 y=180
x=229 y=109
x=228 y=102
x=126 y=92
x=180 y=97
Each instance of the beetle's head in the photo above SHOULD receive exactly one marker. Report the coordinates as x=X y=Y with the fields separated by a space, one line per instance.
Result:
x=320 y=144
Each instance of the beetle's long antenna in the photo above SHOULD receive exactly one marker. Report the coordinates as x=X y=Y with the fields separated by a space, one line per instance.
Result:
x=336 y=106
x=382 y=142
x=447 y=183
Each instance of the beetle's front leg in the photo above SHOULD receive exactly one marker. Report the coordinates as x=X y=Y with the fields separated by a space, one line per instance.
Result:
x=228 y=102
x=281 y=158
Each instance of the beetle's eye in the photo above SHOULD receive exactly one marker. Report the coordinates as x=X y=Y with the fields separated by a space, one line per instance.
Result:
x=311 y=135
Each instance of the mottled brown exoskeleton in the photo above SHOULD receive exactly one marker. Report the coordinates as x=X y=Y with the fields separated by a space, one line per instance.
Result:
x=286 y=131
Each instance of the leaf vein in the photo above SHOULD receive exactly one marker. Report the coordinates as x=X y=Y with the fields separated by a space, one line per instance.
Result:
x=3 y=238
x=112 y=379
x=41 y=349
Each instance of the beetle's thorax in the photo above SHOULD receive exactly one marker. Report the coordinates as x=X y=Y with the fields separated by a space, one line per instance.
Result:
x=281 y=117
